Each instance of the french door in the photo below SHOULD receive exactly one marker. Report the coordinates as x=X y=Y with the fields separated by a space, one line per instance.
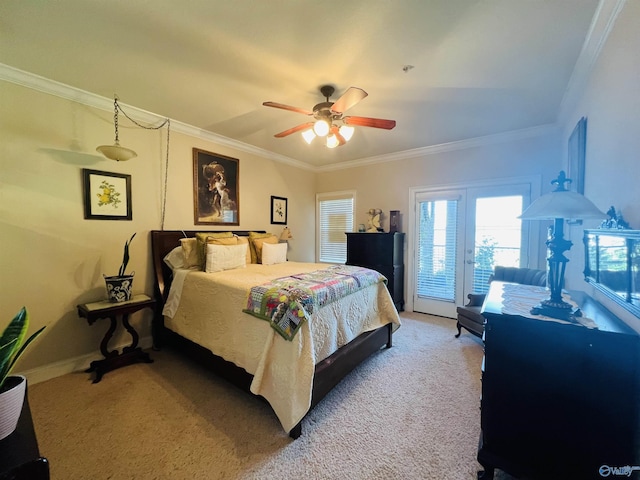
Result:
x=459 y=235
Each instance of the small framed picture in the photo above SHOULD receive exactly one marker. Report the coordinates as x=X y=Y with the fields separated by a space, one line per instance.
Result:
x=107 y=196
x=278 y=210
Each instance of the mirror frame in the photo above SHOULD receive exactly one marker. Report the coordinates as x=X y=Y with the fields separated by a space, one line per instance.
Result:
x=632 y=241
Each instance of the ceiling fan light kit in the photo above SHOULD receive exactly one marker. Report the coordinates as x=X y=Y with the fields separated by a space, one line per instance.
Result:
x=308 y=135
x=321 y=128
x=332 y=141
x=346 y=132
x=329 y=120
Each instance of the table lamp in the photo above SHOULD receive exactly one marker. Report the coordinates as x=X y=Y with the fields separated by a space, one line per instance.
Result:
x=558 y=205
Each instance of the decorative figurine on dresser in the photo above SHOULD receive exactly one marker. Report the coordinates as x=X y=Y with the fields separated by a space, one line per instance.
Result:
x=383 y=252
x=374 y=220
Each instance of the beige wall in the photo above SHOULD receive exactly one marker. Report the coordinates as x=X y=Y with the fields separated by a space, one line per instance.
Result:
x=386 y=185
x=611 y=103
x=52 y=259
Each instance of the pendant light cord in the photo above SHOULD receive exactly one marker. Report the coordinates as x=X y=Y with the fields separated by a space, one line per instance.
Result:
x=166 y=177
x=166 y=122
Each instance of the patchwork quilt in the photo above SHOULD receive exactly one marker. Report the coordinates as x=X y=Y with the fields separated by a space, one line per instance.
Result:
x=287 y=302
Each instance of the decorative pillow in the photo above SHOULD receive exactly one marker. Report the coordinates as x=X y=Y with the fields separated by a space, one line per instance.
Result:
x=189 y=252
x=222 y=241
x=201 y=237
x=245 y=241
x=255 y=236
x=259 y=242
x=225 y=257
x=175 y=259
x=274 y=253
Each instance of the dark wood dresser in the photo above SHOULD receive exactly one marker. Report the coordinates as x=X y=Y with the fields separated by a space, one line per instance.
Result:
x=383 y=252
x=20 y=457
x=559 y=400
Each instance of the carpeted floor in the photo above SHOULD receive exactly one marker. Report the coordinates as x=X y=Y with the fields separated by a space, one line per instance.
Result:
x=410 y=412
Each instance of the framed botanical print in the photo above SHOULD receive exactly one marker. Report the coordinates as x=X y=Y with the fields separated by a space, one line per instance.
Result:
x=107 y=196
x=278 y=210
x=216 y=195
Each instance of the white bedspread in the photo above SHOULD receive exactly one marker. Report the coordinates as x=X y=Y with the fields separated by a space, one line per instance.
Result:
x=207 y=308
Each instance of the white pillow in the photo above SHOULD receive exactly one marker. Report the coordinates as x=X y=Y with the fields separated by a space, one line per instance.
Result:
x=273 y=253
x=175 y=259
x=225 y=257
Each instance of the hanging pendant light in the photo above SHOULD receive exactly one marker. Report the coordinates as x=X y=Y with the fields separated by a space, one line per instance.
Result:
x=115 y=151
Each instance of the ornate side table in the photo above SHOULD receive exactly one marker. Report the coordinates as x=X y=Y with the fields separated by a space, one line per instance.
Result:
x=129 y=355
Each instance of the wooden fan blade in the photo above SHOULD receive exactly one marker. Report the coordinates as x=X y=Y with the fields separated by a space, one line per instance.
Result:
x=303 y=126
x=348 y=99
x=370 y=122
x=336 y=131
x=287 y=107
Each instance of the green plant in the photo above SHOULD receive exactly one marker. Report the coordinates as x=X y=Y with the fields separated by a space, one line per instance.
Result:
x=12 y=343
x=125 y=257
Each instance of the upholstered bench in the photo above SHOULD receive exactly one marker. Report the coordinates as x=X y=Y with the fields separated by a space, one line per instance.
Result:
x=469 y=316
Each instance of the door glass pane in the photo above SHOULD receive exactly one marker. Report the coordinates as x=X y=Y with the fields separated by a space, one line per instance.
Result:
x=498 y=237
x=437 y=250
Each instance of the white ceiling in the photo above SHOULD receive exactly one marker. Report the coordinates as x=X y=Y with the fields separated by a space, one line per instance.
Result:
x=480 y=67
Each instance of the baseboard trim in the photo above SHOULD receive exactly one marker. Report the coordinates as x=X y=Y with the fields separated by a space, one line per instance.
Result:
x=64 y=367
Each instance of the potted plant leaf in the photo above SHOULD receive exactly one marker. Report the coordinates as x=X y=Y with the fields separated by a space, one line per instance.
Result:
x=13 y=387
x=119 y=286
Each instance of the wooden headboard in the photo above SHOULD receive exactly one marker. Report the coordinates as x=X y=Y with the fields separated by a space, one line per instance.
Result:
x=162 y=242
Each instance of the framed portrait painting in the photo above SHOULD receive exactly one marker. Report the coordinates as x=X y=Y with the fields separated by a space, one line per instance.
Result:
x=216 y=196
x=576 y=156
x=107 y=196
x=278 y=210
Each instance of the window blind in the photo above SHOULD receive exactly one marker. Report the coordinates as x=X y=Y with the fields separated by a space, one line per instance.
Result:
x=335 y=217
x=437 y=241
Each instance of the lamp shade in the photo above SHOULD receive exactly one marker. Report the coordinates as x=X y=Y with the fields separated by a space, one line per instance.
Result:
x=332 y=141
x=308 y=135
x=286 y=234
x=561 y=204
x=347 y=132
x=321 y=128
x=116 y=152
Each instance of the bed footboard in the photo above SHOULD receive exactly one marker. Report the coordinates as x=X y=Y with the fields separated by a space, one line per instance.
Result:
x=334 y=368
x=328 y=373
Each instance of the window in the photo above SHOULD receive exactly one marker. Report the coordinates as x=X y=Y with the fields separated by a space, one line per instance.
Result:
x=334 y=215
x=437 y=249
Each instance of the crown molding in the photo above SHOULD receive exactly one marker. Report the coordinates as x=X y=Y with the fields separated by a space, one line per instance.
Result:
x=67 y=92
x=475 y=142
x=601 y=25
x=52 y=87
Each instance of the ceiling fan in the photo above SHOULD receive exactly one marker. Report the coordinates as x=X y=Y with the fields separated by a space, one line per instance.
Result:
x=328 y=117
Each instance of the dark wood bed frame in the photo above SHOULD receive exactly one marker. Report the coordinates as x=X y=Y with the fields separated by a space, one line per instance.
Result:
x=328 y=373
